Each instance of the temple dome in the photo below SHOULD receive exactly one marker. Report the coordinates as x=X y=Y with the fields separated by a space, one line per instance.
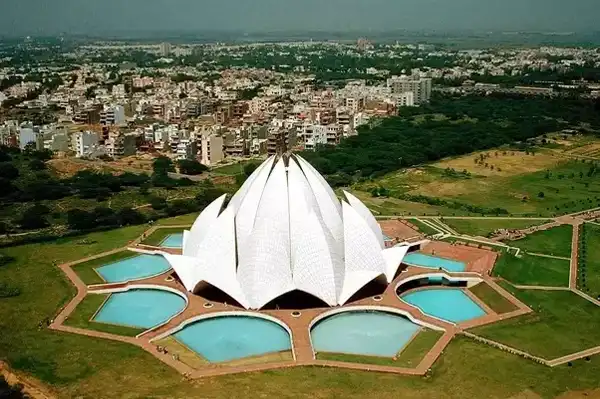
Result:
x=285 y=230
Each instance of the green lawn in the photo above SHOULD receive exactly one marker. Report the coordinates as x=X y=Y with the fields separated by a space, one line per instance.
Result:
x=159 y=235
x=485 y=227
x=567 y=188
x=410 y=356
x=533 y=270
x=234 y=169
x=79 y=366
x=556 y=241
x=82 y=315
x=562 y=323
x=423 y=228
x=492 y=298
x=590 y=259
x=183 y=220
x=86 y=271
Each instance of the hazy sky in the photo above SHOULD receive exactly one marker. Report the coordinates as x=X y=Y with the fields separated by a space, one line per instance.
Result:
x=20 y=17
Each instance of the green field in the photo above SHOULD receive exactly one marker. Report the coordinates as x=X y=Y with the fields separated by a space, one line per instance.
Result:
x=382 y=206
x=562 y=323
x=408 y=357
x=551 y=187
x=533 y=270
x=591 y=257
x=423 y=228
x=79 y=366
x=234 y=169
x=492 y=298
x=86 y=271
x=82 y=315
x=485 y=227
x=555 y=241
x=159 y=235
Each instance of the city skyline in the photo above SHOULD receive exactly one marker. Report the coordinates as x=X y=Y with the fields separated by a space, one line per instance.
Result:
x=30 y=17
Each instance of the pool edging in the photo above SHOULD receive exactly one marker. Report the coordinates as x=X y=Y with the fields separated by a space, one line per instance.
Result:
x=234 y=313
x=384 y=309
x=111 y=291
x=427 y=288
x=135 y=250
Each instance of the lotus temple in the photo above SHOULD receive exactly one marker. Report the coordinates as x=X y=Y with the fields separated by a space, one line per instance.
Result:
x=285 y=273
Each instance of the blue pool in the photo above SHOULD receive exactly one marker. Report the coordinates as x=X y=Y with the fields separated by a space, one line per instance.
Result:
x=363 y=333
x=226 y=338
x=173 y=241
x=450 y=304
x=133 y=268
x=418 y=259
x=144 y=308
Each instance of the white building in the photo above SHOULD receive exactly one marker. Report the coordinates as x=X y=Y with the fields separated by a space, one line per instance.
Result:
x=420 y=87
x=283 y=231
x=84 y=143
x=211 y=149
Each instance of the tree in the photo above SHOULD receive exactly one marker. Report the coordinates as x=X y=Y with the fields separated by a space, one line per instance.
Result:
x=191 y=167
x=162 y=165
x=158 y=203
x=11 y=391
x=34 y=218
x=249 y=168
x=78 y=219
x=541 y=194
x=37 y=164
x=8 y=171
x=128 y=216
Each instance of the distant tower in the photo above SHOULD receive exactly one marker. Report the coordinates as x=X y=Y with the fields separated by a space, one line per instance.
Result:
x=165 y=49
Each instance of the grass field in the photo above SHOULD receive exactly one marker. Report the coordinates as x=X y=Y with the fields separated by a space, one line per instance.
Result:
x=423 y=228
x=395 y=207
x=533 y=270
x=545 y=184
x=555 y=241
x=592 y=259
x=485 y=227
x=562 y=323
x=85 y=367
x=410 y=356
x=159 y=235
x=86 y=271
x=82 y=315
x=492 y=298
x=234 y=169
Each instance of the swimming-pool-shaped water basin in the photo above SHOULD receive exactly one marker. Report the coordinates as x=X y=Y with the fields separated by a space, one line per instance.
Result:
x=370 y=333
x=450 y=304
x=143 y=308
x=433 y=262
x=225 y=338
x=133 y=268
x=174 y=240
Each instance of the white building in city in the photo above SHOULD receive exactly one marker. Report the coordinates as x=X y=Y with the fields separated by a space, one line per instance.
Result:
x=285 y=230
x=84 y=143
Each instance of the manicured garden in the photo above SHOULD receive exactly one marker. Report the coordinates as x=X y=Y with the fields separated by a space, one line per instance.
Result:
x=562 y=323
x=555 y=241
x=485 y=227
x=588 y=279
x=78 y=366
x=492 y=298
x=82 y=317
x=532 y=270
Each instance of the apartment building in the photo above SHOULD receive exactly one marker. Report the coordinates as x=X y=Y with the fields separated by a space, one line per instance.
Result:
x=211 y=149
x=84 y=143
x=420 y=87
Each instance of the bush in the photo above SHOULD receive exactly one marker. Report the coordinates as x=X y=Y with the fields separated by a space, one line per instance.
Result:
x=191 y=167
x=5 y=259
x=11 y=391
x=158 y=203
x=34 y=217
x=8 y=291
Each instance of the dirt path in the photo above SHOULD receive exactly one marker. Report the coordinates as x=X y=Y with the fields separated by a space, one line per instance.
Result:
x=31 y=386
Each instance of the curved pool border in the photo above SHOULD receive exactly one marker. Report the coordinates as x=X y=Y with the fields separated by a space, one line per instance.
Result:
x=134 y=250
x=111 y=291
x=367 y=308
x=438 y=268
x=436 y=287
x=234 y=313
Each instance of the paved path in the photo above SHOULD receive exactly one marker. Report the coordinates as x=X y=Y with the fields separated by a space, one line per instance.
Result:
x=574 y=256
x=541 y=287
x=574 y=356
x=548 y=256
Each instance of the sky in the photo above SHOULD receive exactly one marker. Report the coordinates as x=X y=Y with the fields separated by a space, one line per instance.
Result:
x=23 y=17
